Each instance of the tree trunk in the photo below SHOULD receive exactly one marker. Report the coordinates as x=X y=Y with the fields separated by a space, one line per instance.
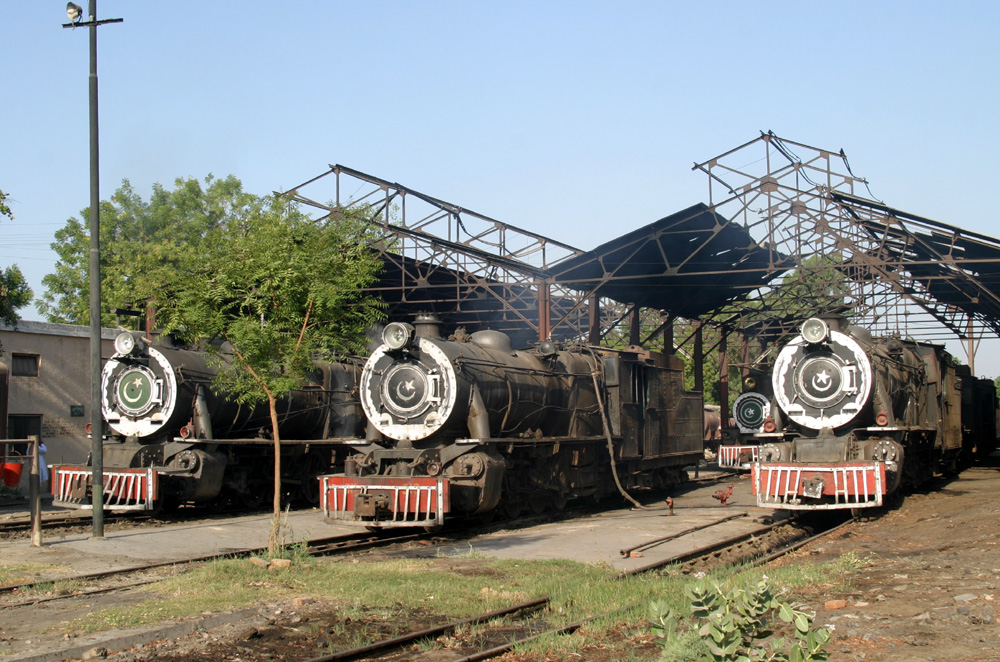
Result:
x=275 y=538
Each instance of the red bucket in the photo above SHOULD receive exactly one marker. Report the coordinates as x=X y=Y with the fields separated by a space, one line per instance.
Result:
x=12 y=473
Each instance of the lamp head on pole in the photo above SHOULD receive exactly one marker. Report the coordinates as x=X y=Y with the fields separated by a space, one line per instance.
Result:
x=75 y=12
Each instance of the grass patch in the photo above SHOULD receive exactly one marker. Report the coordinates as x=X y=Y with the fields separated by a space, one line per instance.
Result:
x=22 y=573
x=387 y=591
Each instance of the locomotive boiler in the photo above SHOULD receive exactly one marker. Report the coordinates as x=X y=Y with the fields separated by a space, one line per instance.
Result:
x=468 y=426
x=855 y=418
x=172 y=439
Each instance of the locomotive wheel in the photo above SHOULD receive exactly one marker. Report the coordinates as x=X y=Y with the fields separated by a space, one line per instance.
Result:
x=487 y=517
x=166 y=506
x=314 y=465
x=219 y=503
x=257 y=493
x=538 y=503
x=510 y=508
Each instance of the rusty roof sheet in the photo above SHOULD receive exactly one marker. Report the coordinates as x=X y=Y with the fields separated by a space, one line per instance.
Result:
x=956 y=267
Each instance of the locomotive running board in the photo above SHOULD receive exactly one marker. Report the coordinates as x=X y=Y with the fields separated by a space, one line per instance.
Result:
x=124 y=489
x=403 y=500
x=819 y=487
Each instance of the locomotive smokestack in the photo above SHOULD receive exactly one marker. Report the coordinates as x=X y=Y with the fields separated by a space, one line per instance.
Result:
x=427 y=325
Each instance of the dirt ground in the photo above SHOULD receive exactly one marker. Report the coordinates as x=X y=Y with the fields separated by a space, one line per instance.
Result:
x=930 y=588
x=927 y=593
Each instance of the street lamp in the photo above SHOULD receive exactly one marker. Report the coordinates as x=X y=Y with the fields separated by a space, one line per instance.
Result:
x=75 y=13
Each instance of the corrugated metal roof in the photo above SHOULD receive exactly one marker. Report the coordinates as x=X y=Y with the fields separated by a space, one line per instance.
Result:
x=689 y=263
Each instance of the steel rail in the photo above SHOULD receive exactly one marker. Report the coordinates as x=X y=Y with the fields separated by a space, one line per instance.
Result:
x=659 y=541
x=703 y=551
x=430 y=632
x=324 y=546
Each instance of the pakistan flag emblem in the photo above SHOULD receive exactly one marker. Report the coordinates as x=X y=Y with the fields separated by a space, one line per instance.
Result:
x=135 y=390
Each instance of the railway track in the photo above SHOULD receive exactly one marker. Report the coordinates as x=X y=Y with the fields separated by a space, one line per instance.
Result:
x=519 y=631
x=13 y=525
x=510 y=627
x=319 y=547
x=524 y=632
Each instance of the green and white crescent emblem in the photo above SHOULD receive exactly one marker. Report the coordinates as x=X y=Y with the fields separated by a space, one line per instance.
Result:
x=135 y=389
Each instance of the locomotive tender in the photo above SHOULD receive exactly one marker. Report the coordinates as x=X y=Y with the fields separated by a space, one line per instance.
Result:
x=853 y=419
x=172 y=439
x=467 y=426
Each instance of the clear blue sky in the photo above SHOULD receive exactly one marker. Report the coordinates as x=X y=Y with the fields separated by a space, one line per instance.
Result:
x=579 y=120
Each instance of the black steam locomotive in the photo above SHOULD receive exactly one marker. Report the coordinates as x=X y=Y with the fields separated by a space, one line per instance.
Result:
x=173 y=440
x=853 y=419
x=469 y=426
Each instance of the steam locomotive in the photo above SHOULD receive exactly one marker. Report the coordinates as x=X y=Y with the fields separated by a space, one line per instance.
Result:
x=173 y=440
x=469 y=427
x=853 y=419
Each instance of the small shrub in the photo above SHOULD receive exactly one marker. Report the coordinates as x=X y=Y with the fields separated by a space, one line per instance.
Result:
x=734 y=625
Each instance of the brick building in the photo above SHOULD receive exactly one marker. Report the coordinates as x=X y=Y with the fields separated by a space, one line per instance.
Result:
x=49 y=386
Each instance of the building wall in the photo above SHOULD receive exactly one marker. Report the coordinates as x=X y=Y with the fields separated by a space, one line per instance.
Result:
x=60 y=394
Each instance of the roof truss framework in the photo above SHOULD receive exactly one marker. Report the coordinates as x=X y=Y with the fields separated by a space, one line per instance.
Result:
x=472 y=270
x=776 y=208
x=905 y=274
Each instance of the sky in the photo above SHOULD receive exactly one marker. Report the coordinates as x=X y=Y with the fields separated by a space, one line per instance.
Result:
x=577 y=120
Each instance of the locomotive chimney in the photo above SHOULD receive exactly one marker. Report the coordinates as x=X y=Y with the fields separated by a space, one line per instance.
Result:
x=427 y=325
x=835 y=321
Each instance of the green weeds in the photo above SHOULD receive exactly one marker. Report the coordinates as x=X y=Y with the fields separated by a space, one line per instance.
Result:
x=370 y=596
x=737 y=623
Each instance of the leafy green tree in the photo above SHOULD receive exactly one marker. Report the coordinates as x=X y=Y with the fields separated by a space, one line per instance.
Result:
x=14 y=294
x=283 y=291
x=145 y=246
x=4 y=209
x=14 y=290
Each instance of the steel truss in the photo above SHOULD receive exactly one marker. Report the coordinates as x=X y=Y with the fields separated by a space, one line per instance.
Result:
x=890 y=271
x=790 y=230
x=475 y=271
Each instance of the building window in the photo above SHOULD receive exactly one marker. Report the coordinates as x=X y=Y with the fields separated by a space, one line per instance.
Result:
x=24 y=365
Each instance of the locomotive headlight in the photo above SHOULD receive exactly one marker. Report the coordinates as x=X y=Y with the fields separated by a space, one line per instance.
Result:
x=397 y=335
x=815 y=330
x=124 y=343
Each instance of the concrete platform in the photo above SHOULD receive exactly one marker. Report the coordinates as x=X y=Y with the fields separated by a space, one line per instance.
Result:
x=73 y=554
x=601 y=538
x=595 y=539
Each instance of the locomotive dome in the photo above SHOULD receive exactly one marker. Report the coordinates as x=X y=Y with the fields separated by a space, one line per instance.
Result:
x=823 y=378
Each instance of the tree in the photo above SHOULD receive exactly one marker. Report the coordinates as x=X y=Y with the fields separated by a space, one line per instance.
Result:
x=145 y=246
x=283 y=291
x=14 y=294
x=14 y=290
x=4 y=209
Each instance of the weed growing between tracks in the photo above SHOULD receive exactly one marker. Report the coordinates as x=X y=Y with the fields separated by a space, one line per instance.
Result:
x=20 y=573
x=371 y=600
x=740 y=614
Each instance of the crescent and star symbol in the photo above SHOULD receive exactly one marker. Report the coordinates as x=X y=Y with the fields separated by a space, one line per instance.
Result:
x=821 y=381
x=405 y=389
x=136 y=385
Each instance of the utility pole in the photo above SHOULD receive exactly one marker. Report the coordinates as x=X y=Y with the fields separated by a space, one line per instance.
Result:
x=75 y=14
